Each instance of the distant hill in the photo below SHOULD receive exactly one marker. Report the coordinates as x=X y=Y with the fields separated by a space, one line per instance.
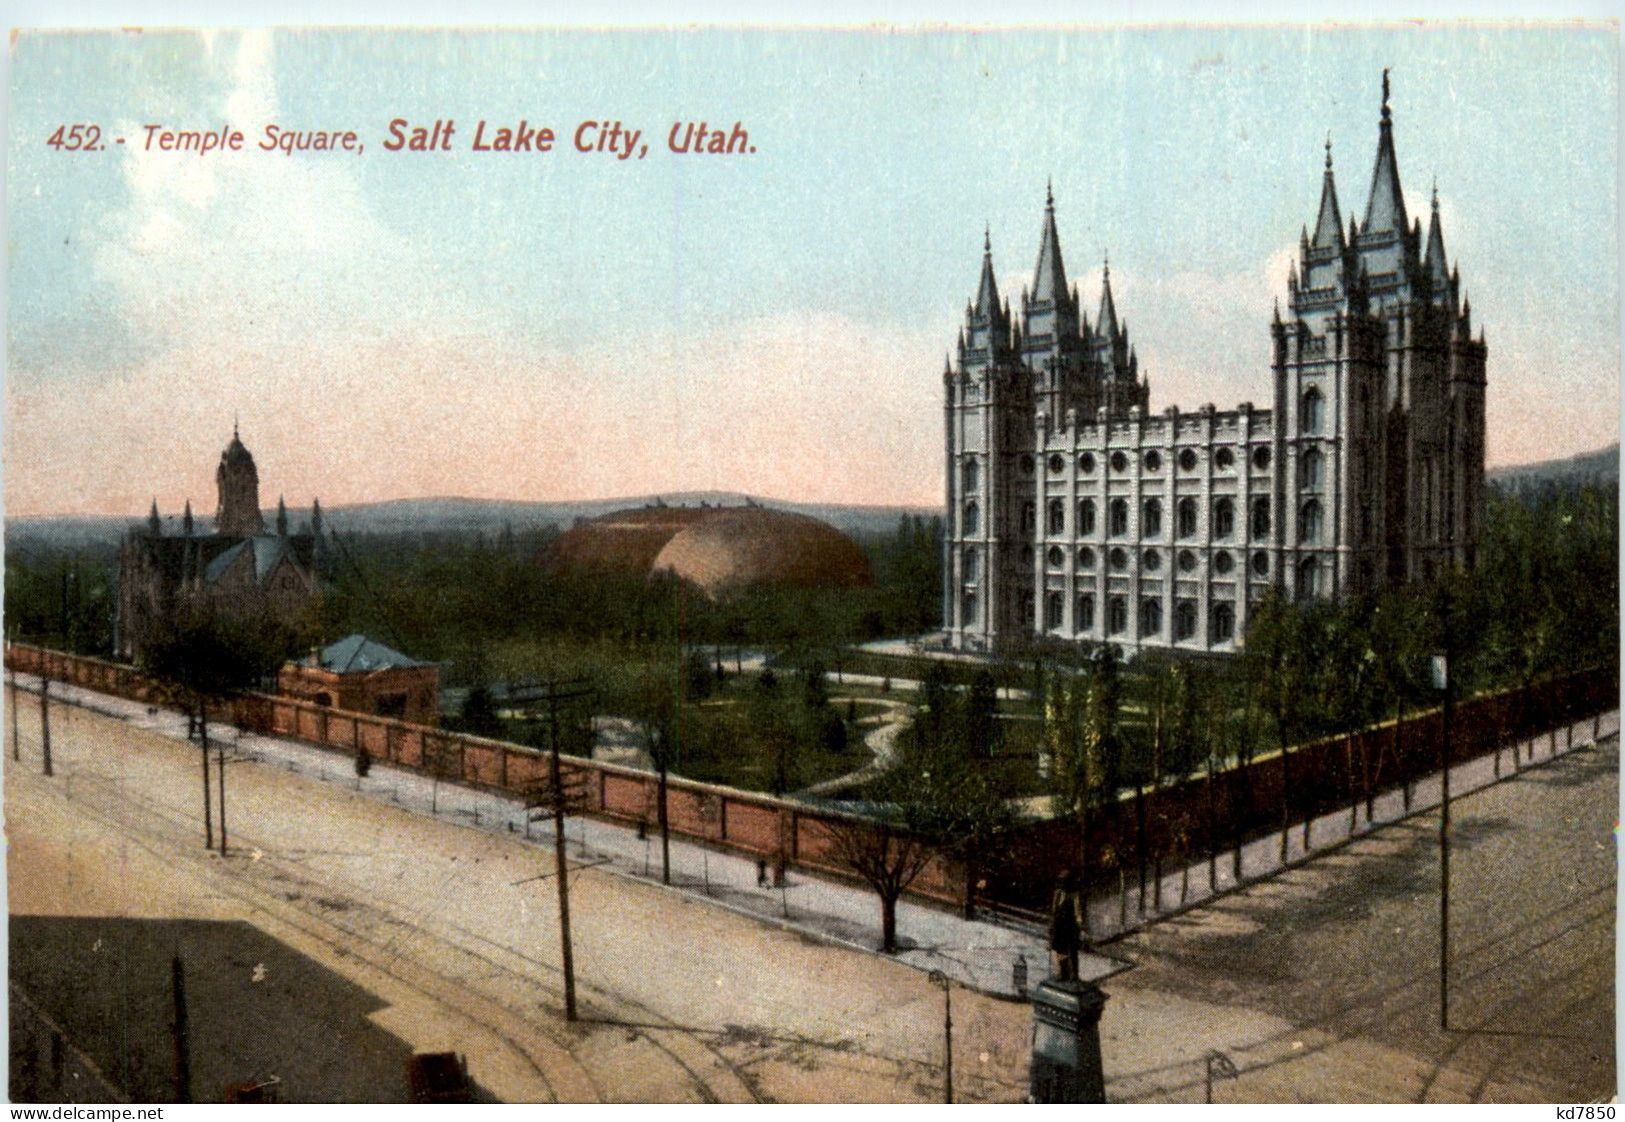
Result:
x=444 y=515
x=1599 y=467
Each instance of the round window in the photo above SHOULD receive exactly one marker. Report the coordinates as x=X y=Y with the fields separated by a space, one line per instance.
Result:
x=1086 y=558
x=1119 y=462
x=1225 y=458
x=1222 y=562
x=1187 y=561
x=1261 y=457
x=1152 y=560
x=1056 y=557
x=1086 y=463
x=1261 y=563
x=1057 y=464
x=1153 y=461
x=1187 y=460
x=1119 y=560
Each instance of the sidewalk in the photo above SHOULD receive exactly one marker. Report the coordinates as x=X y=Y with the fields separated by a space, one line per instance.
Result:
x=975 y=953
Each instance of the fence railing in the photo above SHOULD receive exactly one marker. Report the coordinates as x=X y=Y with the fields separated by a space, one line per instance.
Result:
x=1184 y=820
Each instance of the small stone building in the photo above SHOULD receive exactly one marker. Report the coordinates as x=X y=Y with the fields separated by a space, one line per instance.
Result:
x=364 y=676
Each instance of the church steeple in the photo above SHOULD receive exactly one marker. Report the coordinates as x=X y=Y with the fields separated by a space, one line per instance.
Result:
x=186 y=519
x=1329 y=226
x=1385 y=211
x=281 y=517
x=155 y=525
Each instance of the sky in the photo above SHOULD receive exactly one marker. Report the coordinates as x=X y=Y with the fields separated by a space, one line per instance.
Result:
x=571 y=325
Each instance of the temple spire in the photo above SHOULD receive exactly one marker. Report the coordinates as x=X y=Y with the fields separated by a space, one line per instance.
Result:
x=1049 y=279
x=154 y=523
x=1385 y=210
x=1329 y=226
x=1434 y=261
x=186 y=519
x=1106 y=322
x=987 y=293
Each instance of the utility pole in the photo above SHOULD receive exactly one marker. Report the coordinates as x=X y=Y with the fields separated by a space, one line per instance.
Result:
x=16 y=741
x=556 y=692
x=220 y=767
x=203 y=736
x=1444 y=839
x=181 y=1031
x=941 y=979
x=45 y=720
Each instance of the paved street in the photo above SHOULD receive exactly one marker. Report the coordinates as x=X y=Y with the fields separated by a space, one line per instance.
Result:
x=410 y=930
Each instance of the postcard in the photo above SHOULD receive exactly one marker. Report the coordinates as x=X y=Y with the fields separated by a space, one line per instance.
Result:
x=1070 y=564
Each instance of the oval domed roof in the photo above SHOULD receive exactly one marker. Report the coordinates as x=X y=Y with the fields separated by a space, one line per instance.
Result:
x=739 y=547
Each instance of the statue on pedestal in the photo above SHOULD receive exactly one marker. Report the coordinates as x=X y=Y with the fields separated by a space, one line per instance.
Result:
x=1065 y=928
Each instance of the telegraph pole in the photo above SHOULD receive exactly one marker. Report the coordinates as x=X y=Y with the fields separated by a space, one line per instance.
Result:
x=45 y=720
x=16 y=742
x=553 y=695
x=1444 y=838
x=220 y=767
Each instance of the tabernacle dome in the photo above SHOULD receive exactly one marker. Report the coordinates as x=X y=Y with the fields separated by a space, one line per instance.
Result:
x=719 y=550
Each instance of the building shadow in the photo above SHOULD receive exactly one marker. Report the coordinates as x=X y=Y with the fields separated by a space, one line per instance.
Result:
x=258 y=1012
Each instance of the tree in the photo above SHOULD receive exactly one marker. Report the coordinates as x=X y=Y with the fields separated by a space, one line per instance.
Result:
x=1081 y=728
x=655 y=710
x=937 y=798
x=205 y=655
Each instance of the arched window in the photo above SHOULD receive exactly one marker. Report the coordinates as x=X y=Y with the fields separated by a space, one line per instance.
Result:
x=969 y=569
x=1119 y=518
x=1261 y=564
x=1261 y=517
x=1224 y=519
x=1053 y=605
x=1224 y=623
x=1029 y=517
x=973 y=519
x=1085 y=614
x=1056 y=516
x=1310 y=415
x=1308 y=578
x=1150 y=617
x=1185 y=619
x=1151 y=519
x=1086 y=517
x=1187 y=518
x=1309 y=524
x=1116 y=615
x=973 y=477
x=1309 y=471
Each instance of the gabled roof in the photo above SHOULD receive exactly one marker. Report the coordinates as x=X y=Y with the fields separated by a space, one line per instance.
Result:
x=359 y=654
x=266 y=549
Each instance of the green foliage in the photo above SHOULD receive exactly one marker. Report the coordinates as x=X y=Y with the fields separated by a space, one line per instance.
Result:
x=61 y=598
x=208 y=654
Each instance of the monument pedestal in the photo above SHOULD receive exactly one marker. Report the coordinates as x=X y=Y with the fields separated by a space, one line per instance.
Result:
x=1066 y=1064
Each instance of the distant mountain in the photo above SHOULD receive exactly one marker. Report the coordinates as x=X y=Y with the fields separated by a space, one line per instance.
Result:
x=1599 y=467
x=446 y=515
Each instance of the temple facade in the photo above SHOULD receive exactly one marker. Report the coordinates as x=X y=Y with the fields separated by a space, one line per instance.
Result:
x=1076 y=512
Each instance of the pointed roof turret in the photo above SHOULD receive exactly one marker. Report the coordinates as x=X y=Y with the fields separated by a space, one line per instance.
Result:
x=186 y=519
x=1435 y=259
x=987 y=293
x=1329 y=226
x=1049 y=279
x=1386 y=208
x=281 y=517
x=1107 y=320
x=154 y=523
